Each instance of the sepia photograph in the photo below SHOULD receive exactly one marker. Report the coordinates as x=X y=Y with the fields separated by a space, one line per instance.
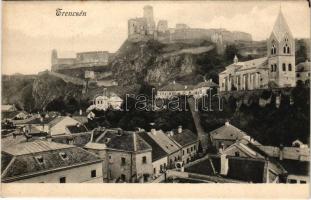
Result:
x=156 y=92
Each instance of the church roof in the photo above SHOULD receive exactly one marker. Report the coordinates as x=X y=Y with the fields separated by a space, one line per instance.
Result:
x=280 y=27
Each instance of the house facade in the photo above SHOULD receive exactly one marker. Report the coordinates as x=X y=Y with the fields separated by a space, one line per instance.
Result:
x=277 y=69
x=127 y=155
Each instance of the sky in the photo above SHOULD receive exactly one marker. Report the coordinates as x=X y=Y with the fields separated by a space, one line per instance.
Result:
x=31 y=29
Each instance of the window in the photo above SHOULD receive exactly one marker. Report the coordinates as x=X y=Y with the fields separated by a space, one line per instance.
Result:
x=303 y=181
x=183 y=152
x=309 y=74
x=298 y=75
x=284 y=67
x=123 y=177
x=275 y=67
x=292 y=181
x=62 y=180
x=272 y=68
x=191 y=149
x=144 y=160
x=175 y=159
x=39 y=160
x=93 y=173
x=63 y=155
x=161 y=168
x=154 y=170
x=289 y=67
x=237 y=154
x=122 y=161
x=273 y=49
x=187 y=150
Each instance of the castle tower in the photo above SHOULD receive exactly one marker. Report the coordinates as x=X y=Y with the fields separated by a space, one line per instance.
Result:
x=281 y=54
x=148 y=15
x=54 y=59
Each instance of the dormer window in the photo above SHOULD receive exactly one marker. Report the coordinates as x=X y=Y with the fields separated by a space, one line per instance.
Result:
x=39 y=160
x=63 y=155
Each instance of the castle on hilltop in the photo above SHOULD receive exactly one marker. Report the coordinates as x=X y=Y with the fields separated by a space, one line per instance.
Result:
x=276 y=70
x=82 y=59
x=146 y=28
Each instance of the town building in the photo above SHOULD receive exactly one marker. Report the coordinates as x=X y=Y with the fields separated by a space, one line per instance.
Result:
x=159 y=156
x=303 y=72
x=105 y=101
x=51 y=125
x=128 y=157
x=176 y=89
x=277 y=69
x=48 y=162
x=8 y=108
x=172 y=150
x=187 y=141
x=226 y=135
x=14 y=115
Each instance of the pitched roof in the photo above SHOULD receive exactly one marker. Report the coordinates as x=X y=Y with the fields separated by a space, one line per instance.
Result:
x=280 y=27
x=303 y=67
x=7 y=107
x=76 y=128
x=11 y=114
x=34 y=147
x=24 y=163
x=184 y=138
x=121 y=140
x=163 y=141
x=175 y=87
x=157 y=151
x=227 y=132
x=43 y=120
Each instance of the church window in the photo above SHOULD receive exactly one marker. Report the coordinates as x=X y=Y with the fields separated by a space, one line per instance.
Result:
x=288 y=50
x=273 y=49
x=284 y=67
x=275 y=67
x=289 y=67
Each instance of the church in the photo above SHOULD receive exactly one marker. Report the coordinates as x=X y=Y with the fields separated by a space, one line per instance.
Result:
x=276 y=70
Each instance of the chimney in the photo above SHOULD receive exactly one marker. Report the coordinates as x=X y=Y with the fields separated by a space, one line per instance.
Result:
x=174 y=82
x=153 y=131
x=235 y=60
x=171 y=133
x=80 y=112
x=186 y=87
x=179 y=130
x=227 y=123
x=281 y=152
x=120 y=132
x=134 y=141
x=224 y=164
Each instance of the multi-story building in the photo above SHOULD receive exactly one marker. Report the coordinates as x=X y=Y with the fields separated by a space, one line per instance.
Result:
x=126 y=154
x=105 y=101
x=48 y=162
x=175 y=89
x=277 y=69
x=187 y=141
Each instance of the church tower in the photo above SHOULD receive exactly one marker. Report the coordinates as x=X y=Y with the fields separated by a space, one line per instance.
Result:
x=281 y=54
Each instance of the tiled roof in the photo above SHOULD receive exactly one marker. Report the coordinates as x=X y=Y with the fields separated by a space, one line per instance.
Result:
x=291 y=153
x=184 y=138
x=10 y=115
x=246 y=65
x=157 y=151
x=7 y=107
x=164 y=141
x=227 y=132
x=34 y=147
x=121 y=140
x=38 y=120
x=303 y=67
x=76 y=129
x=280 y=27
x=175 y=87
x=78 y=139
x=27 y=165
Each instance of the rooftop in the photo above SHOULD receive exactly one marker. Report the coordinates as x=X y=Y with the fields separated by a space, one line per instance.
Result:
x=163 y=141
x=184 y=138
x=227 y=132
x=38 y=157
